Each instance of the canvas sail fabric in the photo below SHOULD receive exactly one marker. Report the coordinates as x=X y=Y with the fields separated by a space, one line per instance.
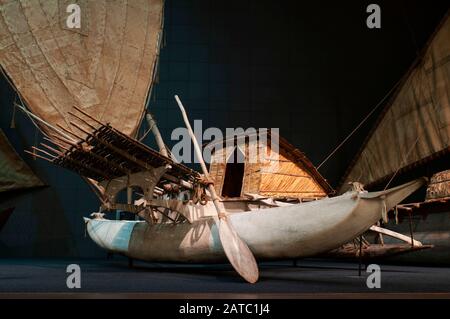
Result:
x=106 y=67
x=416 y=125
x=14 y=172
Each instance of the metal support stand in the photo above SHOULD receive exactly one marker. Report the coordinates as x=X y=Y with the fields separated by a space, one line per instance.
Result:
x=360 y=256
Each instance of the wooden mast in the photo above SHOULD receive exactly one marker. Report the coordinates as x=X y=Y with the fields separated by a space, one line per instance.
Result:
x=154 y=128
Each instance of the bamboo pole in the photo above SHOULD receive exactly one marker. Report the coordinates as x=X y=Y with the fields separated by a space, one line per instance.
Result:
x=88 y=115
x=79 y=128
x=70 y=132
x=62 y=139
x=44 y=152
x=84 y=121
x=39 y=156
x=219 y=206
x=56 y=143
x=181 y=182
x=394 y=234
x=157 y=134
x=59 y=153
x=44 y=122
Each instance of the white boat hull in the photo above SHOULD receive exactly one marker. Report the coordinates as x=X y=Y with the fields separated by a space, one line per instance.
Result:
x=294 y=231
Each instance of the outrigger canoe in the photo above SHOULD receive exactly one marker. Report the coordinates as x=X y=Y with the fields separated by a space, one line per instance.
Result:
x=295 y=231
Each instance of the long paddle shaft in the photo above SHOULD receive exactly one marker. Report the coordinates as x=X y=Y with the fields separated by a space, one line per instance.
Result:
x=236 y=250
x=219 y=207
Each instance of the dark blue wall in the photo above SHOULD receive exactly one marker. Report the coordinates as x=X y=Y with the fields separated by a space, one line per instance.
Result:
x=313 y=70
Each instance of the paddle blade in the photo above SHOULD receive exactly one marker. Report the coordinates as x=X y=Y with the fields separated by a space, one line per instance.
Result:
x=238 y=253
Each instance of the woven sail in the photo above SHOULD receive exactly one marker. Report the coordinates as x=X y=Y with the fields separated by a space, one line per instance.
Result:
x=105 y=67
x=416 y=124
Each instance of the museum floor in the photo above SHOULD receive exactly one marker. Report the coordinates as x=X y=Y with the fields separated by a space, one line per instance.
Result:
x=310 y=278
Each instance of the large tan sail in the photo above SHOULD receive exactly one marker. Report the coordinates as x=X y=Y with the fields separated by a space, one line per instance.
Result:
x=416 y=124
x=106 y=67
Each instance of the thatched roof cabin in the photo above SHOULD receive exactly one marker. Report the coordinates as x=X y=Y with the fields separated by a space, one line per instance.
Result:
x=280 y=171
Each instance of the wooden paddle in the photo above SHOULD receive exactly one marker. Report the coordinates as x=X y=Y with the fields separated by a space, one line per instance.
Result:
x=236 y=250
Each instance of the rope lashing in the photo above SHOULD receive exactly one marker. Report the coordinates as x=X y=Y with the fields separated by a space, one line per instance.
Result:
x=199 y=194
x=222 y=215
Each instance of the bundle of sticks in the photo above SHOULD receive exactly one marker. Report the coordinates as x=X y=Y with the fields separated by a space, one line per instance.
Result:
x=97 y=151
